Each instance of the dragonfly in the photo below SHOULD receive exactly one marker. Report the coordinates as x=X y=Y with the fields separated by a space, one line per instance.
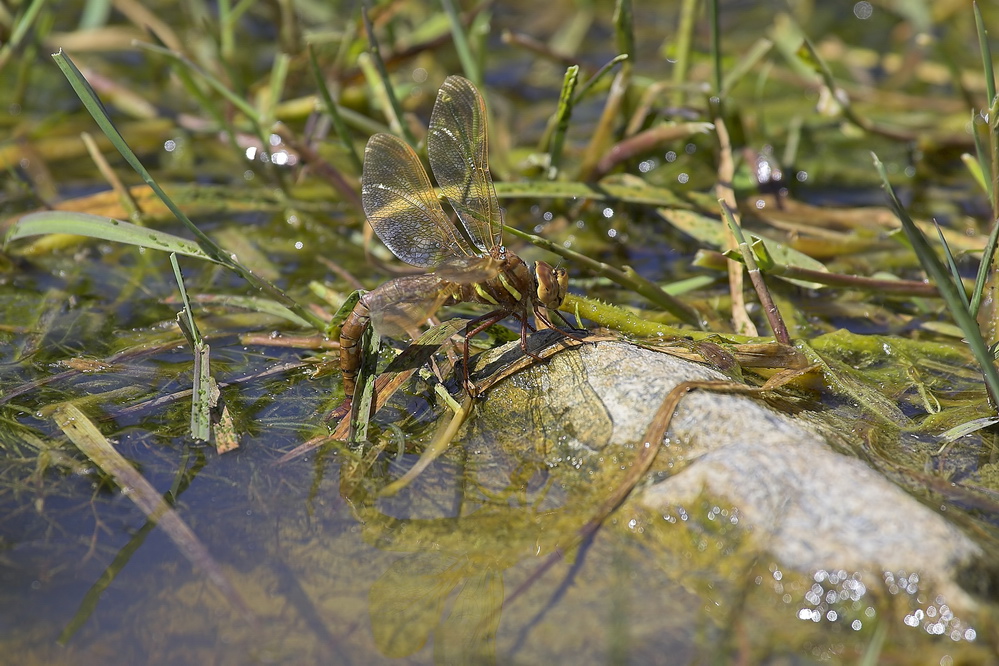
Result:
x=467 y=259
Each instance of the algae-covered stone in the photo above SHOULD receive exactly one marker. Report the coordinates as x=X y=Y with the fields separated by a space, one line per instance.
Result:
x=808 y=505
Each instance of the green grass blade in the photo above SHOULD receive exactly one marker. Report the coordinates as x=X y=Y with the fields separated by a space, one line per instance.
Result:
x=230 y=96
x=984 y=268
x=984 y=174
x=275 y=88
x=364 y=391
x=343 y=134
x=93 y=105
x=103 y=228
x=376 y=57
x=680 y=48
x=469 y=64
x=562 y=116
x=983 y=46
x=935 y=269
x=624 y=27
x=951 y=263
x=636 y=194
x=744 y=65
x=96 y=108
x=716 y=57
x=593 y=80
x=22 y=28
x=192 y=328
x=204 y=390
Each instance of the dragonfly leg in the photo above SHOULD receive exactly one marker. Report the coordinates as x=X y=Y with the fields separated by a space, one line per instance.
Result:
x=524 y=325
x=473 y=328
x=548 y=322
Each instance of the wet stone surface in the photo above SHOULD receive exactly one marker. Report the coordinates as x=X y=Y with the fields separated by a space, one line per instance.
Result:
x=809 y=506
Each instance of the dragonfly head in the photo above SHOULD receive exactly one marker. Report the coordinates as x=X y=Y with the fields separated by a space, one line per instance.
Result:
x=553 y=283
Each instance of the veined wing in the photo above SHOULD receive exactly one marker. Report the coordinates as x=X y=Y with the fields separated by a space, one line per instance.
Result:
x=399 y=306
x=469 y=270
x=459 y=156
x=401 y=205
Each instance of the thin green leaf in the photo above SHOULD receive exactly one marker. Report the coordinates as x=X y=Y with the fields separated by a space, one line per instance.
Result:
x=983 y=47
x=394 y=106
x=716 y=57
x=951 y=263
x=982 y=154
x=967 y=428
x=984 y=268
x=275 y=89
x=22 y=28
x=340 y=316
x=976 y=166
x=593 y=80
x=213 y=81
x=102 y=228
x=562 y=116
x=343 y=134
x=192 y=328
x=636 y=194
x=364 y=390
x=93 y=105
x=204 y=391
x=624 y=27
x=469 y=65
x=743 y=65
x=935 y=269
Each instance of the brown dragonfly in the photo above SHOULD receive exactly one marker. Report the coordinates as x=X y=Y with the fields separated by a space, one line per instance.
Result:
x=469 y=262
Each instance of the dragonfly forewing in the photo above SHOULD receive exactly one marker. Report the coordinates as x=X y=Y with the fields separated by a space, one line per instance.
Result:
x=402 y=207
x=457 y=145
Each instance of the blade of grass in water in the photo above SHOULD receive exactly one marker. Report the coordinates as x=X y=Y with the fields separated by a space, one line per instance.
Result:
x=773 y=315
x=85 y=435
x=202 y=398
x=364 y=391
x=951 y=262
x=93 y=104
x=938 y=273
x=103 y=228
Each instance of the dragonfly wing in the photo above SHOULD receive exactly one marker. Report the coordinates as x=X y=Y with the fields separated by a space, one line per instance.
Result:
x=400 y=306
x=469 y=270
x=401 y=205
x=459 y=157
